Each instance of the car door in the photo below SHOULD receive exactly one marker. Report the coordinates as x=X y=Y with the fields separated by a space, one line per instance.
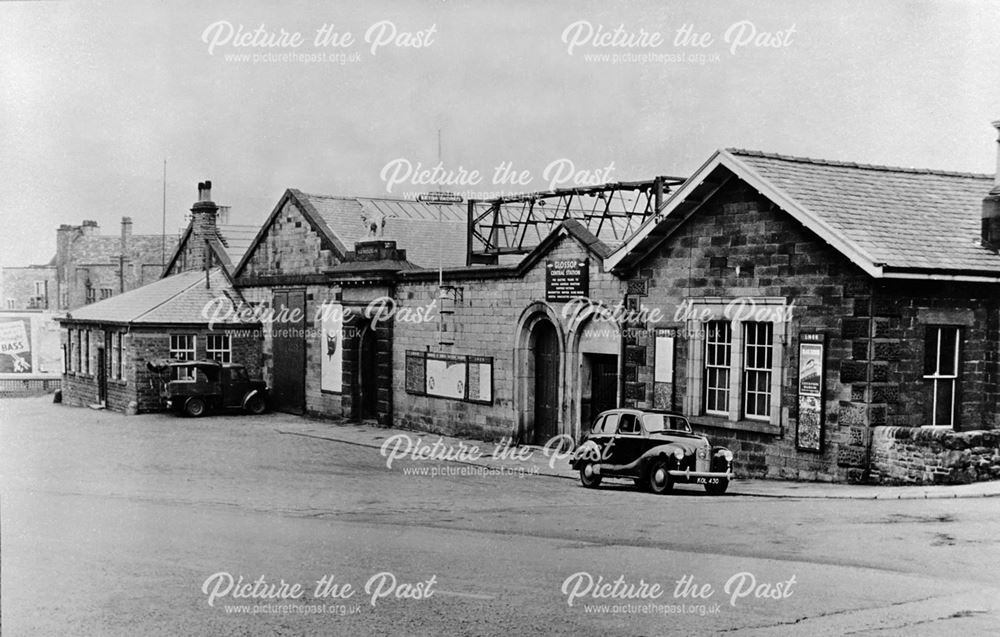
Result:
x=236 y=384
x=603 y=433
x=628 y=440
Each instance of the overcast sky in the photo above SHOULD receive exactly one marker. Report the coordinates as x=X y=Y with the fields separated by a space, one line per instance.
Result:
x=94 y=96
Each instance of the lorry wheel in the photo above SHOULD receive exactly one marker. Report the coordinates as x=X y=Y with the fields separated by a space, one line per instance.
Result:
x=256 y=405
x=195 y=407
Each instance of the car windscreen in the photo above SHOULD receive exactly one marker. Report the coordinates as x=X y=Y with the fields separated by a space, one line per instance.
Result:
x=664 y=422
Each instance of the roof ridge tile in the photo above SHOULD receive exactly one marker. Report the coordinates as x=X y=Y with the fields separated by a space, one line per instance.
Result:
x=744 y=152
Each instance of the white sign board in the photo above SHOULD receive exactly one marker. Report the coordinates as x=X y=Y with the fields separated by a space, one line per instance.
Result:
x=663 y=371
x=445 y=378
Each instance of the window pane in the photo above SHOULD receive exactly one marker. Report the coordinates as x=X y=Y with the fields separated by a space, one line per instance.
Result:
x=597 y=425
x=943 y=409
x=931 y=350
x=758 y=358
x=946 y=360
x=718 y=341
x=611 y=423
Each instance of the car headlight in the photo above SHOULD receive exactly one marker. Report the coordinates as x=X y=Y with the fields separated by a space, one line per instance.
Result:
x=724 y=453
x=679 y=453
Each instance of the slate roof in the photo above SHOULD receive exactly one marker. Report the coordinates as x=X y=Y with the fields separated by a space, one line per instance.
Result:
x=901 y=217
x=236 y=239
x=411 y=224
x=177 y=299
x=890 y=221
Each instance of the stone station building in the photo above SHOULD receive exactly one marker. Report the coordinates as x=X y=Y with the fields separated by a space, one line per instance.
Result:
x=825 y=320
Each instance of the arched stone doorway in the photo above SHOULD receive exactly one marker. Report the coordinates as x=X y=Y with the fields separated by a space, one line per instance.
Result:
x=539 y=381
x=545 y=348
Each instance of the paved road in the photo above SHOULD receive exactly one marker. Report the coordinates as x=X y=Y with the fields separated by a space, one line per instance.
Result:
x=112 y=525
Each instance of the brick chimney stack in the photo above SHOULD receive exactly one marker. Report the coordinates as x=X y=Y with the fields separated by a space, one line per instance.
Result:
x=89 y=227
x=203 y=220
x=126 y=233
x=991 y=204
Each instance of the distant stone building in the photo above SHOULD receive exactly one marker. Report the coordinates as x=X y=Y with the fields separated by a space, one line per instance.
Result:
x=92 y=267
x=30 y=287
x=109 y=343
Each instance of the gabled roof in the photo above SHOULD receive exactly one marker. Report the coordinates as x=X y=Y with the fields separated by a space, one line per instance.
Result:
x=413 y=225
x=230 y=243
x=891 y=222
x=176 y=300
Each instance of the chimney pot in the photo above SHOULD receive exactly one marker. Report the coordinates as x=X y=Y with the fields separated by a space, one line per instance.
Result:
x=203 y=226
x=996 y=175
x=991 y=205
x=205 y=191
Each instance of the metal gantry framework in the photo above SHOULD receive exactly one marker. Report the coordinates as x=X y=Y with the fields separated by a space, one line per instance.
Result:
x=514 y=225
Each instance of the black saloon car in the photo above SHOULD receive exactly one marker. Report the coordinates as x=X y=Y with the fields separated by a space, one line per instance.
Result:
x=655 y=448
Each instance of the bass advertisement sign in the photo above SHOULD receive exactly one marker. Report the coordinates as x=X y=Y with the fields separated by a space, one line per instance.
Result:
x=15 y=346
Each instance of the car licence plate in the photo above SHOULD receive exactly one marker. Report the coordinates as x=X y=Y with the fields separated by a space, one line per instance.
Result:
x=707 y=480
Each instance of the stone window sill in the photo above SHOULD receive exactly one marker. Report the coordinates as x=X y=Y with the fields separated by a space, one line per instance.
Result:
x=716 y=422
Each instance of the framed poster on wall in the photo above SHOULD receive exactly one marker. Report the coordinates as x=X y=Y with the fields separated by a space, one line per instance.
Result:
x=332 y=348
x=809 y=433
x=455 y=376
x=445 y=376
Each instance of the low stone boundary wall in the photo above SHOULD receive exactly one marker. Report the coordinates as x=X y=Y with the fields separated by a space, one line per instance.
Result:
x=919 y=455
x=19 y=387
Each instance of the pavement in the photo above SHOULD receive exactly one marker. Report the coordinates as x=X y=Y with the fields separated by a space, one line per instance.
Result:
x=539 y=461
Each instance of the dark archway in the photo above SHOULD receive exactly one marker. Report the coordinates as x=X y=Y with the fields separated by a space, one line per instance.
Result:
x=545 y=343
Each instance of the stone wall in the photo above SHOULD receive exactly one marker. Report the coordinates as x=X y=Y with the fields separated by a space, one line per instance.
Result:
x=740 y=245
x=486 y=323
x=139 y=389
x=19 y=285
x=902 y=313
x=289 y=246
x=925 y=455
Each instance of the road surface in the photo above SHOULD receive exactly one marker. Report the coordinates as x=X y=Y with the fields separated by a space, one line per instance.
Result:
x=116 y=525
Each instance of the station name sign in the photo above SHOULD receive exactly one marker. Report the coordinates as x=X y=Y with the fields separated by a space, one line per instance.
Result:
x=566 y=279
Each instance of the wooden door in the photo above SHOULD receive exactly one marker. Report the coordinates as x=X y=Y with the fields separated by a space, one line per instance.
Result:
x=368 y=376
x=604 y=383
x=546 y=383
x=289 y=348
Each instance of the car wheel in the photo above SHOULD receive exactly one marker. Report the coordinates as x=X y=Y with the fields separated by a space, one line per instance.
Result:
x=717 y=489
x=660 y=480
x=588 y=476
x=256 y=404
x=195 y=407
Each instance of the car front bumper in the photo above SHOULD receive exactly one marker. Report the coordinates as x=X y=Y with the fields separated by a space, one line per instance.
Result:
x=692 y=476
